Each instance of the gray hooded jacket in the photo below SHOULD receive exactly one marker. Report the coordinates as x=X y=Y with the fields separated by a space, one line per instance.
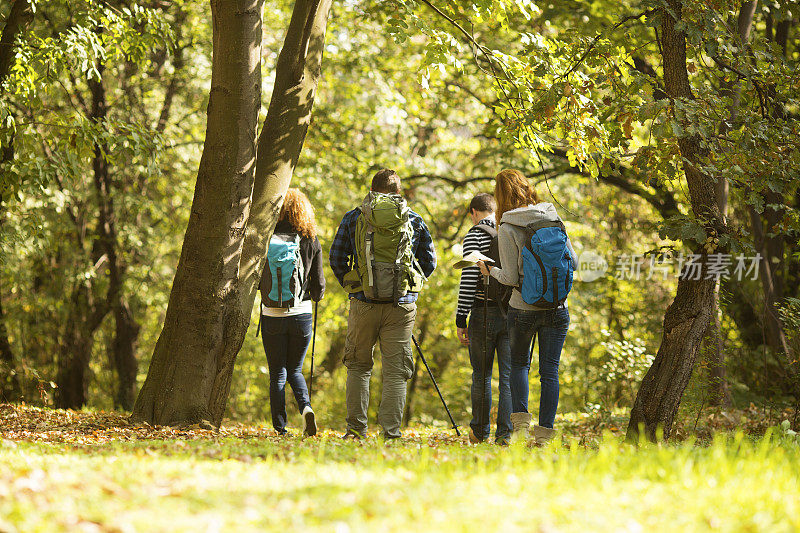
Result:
x=511 y=241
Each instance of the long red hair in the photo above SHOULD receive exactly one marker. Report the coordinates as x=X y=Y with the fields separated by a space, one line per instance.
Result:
x=512 y=190
x=299 y=212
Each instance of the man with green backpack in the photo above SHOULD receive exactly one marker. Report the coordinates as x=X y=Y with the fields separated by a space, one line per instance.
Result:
x=381 y=255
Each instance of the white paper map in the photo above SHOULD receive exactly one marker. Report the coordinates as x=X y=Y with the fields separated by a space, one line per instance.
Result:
x=471 y=259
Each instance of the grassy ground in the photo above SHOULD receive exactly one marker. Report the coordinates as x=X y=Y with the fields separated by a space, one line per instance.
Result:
x=91 y=471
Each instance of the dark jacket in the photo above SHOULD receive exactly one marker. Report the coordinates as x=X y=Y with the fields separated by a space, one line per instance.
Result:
x=311 y=255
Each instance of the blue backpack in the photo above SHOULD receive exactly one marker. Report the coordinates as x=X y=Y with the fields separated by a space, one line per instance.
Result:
x=282 y=283
x=546 y=265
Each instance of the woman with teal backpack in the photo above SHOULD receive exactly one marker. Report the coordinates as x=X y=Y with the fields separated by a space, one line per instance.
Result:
x=537 y=261
x=293 y=278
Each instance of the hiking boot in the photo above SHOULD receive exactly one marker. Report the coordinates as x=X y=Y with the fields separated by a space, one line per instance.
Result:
x=351 y=435
x=505 y=440
x=473 y=438
x=542 y=435
x=522 y=424
x=309 y=422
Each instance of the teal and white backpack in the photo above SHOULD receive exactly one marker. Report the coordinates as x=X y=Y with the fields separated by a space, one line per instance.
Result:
x=282 y=283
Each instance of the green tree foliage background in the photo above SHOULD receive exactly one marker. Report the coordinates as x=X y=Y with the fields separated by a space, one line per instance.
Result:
x=569 y=93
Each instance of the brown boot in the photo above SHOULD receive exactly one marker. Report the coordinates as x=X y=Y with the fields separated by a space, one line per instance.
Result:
x=542 y=435
x=473 y=438
x=521 y=423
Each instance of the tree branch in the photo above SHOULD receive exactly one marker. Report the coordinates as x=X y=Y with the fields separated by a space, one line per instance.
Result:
x=597 y=38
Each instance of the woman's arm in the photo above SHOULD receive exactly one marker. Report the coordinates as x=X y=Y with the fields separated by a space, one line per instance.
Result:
x=509 y=258
x=572 y=254
x=316 y=274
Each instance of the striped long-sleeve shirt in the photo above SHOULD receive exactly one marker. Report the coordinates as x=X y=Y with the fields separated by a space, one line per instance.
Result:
x=470 y=289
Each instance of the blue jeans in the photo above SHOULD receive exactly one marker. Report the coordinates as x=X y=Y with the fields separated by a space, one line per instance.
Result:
x=551 y=327
x=285 y=343
x=497 y=343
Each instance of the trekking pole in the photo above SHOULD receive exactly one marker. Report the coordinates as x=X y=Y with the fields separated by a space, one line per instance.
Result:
x=313 y=347
x=482 y=409
x=435 y=384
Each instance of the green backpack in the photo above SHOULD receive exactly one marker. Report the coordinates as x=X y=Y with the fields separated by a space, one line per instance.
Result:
x=384 y=267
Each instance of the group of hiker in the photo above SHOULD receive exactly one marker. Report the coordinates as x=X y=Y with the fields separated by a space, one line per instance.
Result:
x=517 y=272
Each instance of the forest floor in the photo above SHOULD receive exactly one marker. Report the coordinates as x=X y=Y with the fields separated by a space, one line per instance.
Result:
x=93 y=471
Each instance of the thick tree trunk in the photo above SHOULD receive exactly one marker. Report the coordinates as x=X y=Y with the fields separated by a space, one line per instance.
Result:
x=214 y=289
x=688 y=316
x=281 y=140
x=296 y=76
x=198 y=342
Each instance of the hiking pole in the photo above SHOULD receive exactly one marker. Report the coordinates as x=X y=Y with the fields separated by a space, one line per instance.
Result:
x=435 y=384
x=313 y=347
x=482 y=409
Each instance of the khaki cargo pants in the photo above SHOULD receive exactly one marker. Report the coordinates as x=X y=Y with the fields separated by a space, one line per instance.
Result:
x=368 y=323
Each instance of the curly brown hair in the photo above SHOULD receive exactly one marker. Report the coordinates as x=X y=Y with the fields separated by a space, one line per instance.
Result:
x=512 y=190
x=299 y=212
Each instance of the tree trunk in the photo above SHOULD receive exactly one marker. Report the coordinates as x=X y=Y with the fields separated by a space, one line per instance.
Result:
x=412 y=394
x=17 y=21
x=297 y=73
x=234 y=211
x=411 y=397
x=281 y=140
x=19 y=17
x=126 y=342
x=775 y=336
x=333 y=357
x=73 y=367
x=720 y=393
x=126 y=333
x=76 y=347
x=688 y=316
x=10 y=390
x=771 y=245
x=196 y=343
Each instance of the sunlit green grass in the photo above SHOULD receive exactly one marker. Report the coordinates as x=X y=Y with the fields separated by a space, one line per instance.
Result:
x=420 y=484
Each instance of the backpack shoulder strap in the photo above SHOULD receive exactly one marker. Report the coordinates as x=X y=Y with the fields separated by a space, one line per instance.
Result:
x=490 y=231
x=533 y=227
